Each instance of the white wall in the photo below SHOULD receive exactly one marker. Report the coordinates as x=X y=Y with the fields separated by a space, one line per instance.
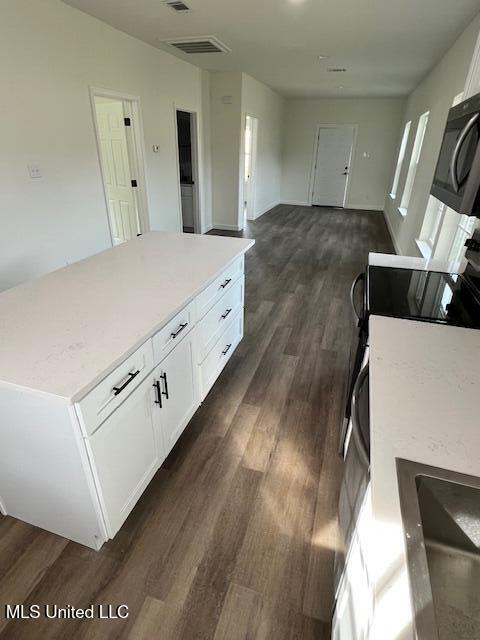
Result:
x=246 y=96
x=260 y=101
x=206 y=158
x=378 y=123
x=226 y=136
x=49 y=55
x=434 y=94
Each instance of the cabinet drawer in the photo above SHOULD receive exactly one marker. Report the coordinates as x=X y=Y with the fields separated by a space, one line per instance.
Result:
x=112 y=391
x=173 y=332
x=216 y=320
x=207 y=298
x=220 y=353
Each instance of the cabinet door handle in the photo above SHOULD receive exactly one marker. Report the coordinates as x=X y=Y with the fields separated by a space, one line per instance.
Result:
x=164 y=378
x=226 y=350
x=131 y=376
x=158 y=401
x=179 y=330
x=227 y=312
x=226 y=283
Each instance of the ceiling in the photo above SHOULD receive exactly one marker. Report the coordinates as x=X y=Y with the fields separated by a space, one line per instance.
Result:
x=387 y=46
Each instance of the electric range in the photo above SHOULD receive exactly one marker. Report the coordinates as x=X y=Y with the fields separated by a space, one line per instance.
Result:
x=428 y=296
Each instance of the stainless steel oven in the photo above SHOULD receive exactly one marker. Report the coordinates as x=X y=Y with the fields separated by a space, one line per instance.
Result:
x=358 y=299
x=457 y=176
x=354 y=444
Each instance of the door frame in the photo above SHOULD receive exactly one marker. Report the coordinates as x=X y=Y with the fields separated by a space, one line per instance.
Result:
x=194 y=133
x=311 y=183
x=253 y=168
x=136 y=150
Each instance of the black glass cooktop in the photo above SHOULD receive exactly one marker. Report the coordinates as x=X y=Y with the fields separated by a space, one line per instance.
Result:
x=422 y=295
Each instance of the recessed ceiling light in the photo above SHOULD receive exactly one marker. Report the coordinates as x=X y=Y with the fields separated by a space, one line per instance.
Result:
x=322 y=57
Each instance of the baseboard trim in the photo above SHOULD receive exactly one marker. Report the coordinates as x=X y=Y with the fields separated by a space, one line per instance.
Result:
x=296 y=203
x=207 y=228
x=267 y=209
x=392 y=235
x=226 y=227
x=362 y=207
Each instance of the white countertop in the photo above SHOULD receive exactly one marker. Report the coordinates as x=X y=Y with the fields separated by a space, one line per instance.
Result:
x=62 y=333
x=410 y=262
x=424 y=390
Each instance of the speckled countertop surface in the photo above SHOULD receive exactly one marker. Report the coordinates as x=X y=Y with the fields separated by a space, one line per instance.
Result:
x=62 y=333
x=424 y=406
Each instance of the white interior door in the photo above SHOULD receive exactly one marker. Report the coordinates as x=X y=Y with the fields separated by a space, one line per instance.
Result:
x=250 y=147
x=117 y=175
x=332 y=165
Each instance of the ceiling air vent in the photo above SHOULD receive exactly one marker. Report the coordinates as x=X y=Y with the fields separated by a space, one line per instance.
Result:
x=337 y=70
x=201 y=44
x=178 y=6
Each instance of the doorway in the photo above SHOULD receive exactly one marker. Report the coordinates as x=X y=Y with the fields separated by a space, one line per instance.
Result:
x=121 y=160
x=250 y=161
x=187 y=146
x=331 y=164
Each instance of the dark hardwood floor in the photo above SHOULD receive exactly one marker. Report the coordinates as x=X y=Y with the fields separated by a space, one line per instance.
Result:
x=234 y=538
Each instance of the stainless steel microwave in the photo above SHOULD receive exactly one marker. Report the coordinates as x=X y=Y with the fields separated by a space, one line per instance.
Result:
x=457 y=176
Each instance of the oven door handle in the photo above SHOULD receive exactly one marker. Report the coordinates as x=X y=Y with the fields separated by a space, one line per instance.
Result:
x=458 y=147
x=356 y=315
x=356 y=432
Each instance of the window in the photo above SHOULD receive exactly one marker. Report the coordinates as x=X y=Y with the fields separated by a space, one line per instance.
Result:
x=465 y=229
x=434 y=217
x=401 y=158
x=431 y=225
x=414 y=160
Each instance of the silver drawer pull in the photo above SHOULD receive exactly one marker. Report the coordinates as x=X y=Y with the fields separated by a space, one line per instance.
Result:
x=226 y=350
x=179 y=330
x=226 y=283
x=227 y=313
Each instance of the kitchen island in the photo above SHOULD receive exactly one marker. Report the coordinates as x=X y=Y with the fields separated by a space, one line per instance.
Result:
x=102 y=365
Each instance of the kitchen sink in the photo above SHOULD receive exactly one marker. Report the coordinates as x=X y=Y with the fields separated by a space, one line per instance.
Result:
x=441 y=520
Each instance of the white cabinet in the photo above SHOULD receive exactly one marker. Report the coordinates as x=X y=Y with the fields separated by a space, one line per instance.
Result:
x=100 y=450
x=176 y=398
x=353 y=615
x=126 y=454
x=220 y=353
x=218 y=318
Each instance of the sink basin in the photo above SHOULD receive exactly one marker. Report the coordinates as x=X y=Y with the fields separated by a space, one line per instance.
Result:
x=441 y=520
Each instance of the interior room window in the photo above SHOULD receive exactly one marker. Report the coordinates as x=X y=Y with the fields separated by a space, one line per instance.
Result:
x=465 y=228
x=414 y=160
x=431 y=225
x=400 y=159
x=434 y=217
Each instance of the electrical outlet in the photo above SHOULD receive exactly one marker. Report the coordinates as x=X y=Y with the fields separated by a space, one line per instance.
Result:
x=34 y=171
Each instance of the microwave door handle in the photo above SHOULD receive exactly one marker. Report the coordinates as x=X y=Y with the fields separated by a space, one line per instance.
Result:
x=456 y=151
x=356 y=434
